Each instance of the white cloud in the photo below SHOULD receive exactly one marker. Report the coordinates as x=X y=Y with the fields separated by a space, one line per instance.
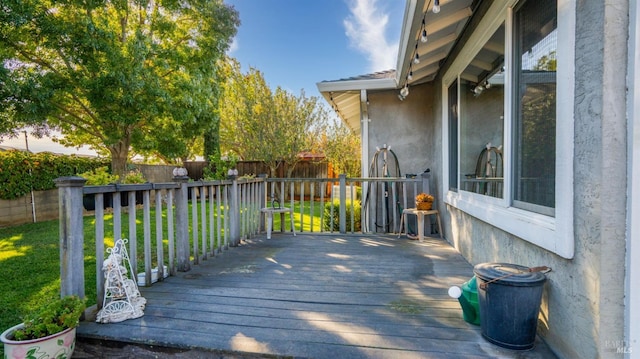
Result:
x=366 y=29
x=234 y=46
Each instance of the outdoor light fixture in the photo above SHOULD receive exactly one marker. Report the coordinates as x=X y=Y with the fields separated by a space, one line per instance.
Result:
x=436 y=7
x=405 y=91
x=416 y=60
x=423 y=38
x=410 y=76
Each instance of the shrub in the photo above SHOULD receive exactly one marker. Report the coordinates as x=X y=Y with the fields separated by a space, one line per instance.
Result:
x=22 y=171
x=336 y=216
x=133 y=177
x=99 y=176
x=218 y=166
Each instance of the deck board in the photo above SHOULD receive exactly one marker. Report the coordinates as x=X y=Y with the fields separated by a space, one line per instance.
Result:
x=316 y=296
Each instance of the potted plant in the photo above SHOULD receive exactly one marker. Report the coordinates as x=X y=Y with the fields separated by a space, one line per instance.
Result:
x=49 y=332
x=424 y=201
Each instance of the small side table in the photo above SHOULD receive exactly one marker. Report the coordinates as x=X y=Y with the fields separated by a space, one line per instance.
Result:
x=269 y=211
x=420 y=214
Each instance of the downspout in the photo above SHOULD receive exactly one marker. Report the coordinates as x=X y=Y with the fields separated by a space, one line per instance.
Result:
x=364 y=132
x=364 y=144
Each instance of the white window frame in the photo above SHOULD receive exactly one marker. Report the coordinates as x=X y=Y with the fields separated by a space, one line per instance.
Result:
x=554 y=234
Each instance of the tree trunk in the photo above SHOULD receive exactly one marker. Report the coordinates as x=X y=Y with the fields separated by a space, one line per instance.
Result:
x=211 y=143
x=272 y=171
x=119 y=156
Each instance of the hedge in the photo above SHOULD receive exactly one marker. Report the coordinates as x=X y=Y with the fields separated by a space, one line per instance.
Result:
x=21 y=171
x=327 y=225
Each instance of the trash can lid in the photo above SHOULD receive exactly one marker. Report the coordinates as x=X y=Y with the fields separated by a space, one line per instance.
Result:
x=509 y=274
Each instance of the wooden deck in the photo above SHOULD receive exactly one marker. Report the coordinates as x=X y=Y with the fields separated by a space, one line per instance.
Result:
x=316 y=296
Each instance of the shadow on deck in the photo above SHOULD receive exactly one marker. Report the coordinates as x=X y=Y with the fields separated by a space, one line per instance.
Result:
x=316 y=296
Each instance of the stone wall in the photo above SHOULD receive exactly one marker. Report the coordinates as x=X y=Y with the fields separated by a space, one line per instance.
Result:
x=19 y=211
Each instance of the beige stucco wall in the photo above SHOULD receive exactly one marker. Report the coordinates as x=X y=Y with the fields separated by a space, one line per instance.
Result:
x=582 y=312
x=406 y=126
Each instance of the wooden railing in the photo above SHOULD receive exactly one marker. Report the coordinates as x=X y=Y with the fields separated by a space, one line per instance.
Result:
x=197 y=220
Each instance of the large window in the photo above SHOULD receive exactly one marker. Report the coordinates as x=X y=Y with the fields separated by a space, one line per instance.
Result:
x=482 y=119
x=508 y=161
x=534 y=147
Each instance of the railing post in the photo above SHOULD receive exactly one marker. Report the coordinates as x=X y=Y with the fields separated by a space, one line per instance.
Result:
x=182 y=224
x=71 y=235
x=264 y=188
x=234 y=214
x=343 y=203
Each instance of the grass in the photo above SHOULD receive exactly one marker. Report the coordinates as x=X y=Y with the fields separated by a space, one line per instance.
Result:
x=30 y=258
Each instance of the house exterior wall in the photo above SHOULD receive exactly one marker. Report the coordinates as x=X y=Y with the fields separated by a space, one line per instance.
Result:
x=582 y=313
x=406 y=126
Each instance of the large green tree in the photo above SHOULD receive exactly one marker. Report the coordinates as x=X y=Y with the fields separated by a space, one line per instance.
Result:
x=114 y=74
x=264 y=125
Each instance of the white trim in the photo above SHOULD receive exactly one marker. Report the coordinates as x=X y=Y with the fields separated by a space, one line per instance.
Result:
x=551 y=233
x=565 y=97
x=357 y=85
x=507 y=138
x=632 y=272
x=409 y=13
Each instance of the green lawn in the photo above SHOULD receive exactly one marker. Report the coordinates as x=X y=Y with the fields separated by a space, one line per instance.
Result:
x=30 y=264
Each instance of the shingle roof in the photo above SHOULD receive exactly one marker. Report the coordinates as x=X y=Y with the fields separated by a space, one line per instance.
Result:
x=388 y=74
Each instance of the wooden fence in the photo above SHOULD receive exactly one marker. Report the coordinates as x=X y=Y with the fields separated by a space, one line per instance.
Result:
x=303 y=169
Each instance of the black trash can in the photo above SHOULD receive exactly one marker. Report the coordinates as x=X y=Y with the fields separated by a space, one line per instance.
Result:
x=509 y=298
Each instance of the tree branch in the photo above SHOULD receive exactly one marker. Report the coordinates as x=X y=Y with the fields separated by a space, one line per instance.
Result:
x=78 y=117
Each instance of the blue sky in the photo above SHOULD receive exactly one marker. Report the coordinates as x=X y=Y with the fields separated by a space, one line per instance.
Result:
x=297 y=43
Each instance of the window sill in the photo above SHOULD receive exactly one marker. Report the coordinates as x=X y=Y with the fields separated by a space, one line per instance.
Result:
x=538 y=229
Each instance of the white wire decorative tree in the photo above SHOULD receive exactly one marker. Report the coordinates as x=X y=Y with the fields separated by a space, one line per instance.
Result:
x=122 y=298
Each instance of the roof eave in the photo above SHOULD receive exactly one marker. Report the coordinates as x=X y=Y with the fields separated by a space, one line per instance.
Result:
x=356 y=85
x=405 y=37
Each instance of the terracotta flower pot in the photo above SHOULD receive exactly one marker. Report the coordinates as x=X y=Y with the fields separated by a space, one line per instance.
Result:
x=424 y=206
x=59 y=345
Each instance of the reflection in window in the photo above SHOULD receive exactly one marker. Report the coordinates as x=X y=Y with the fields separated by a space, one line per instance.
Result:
x=535 y=106
x=482 y=120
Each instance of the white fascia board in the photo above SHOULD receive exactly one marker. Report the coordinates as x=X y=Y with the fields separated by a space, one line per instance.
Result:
x=406 y=35
x=353 y=85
